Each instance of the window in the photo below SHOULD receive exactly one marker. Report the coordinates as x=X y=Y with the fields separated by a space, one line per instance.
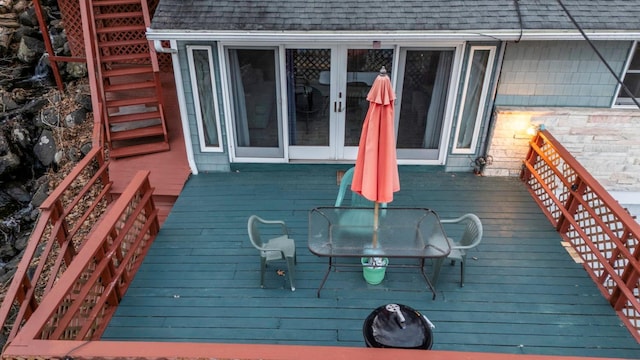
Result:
x=476 y=86
x=204 y=98
x=631 y=80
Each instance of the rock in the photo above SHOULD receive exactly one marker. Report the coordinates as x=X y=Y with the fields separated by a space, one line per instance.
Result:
x=42 y=191
x=24 y=31
x=85 y=148
x=76 y=117
x=84 y=100
x=6 y=101
x=5 y=200
x=8 y=163
x=45 y=149
x=30 y=50
x=76 y=70
x=7 y=251
x=17 y=192
x=48 y=117
x=20 y=136
x=74 y=155
x=8 y=160
x=28 y=17
x=21 y=242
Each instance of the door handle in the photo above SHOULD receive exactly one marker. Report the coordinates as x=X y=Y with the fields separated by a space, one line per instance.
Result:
x=340 y=106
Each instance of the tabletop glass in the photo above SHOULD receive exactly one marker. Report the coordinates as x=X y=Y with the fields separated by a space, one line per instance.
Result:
x=402 y=232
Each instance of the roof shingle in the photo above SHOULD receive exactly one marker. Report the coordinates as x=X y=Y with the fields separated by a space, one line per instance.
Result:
x=403 y=15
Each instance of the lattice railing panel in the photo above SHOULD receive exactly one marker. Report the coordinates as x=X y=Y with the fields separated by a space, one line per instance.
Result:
x=70 y=12
x=67 y=217
x=107 y=262
x=603 y=233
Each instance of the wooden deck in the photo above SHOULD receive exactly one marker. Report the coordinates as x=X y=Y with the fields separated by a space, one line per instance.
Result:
x=523 y=292
x=169 y=170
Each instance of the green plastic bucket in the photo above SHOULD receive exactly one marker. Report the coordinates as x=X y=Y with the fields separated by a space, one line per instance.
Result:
x=373 y=274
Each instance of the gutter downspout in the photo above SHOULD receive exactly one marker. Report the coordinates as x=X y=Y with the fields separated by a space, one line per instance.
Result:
x=186 y=133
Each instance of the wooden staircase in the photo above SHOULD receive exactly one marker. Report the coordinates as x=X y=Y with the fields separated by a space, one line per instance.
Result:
x=131 y=90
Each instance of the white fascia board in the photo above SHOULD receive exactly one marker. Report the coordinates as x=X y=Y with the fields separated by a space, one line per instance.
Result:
x=305 y=36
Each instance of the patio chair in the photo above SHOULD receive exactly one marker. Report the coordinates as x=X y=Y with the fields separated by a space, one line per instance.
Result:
x=471 y=238
x=355 y=221
x=277 y=248
x=356 y=199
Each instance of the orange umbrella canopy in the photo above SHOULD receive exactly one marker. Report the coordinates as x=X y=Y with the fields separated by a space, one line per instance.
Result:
x=376 y=171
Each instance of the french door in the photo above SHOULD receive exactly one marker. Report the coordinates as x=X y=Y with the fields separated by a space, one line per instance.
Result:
x=327 y=90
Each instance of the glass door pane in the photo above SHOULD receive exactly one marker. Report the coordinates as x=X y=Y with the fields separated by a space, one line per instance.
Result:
x=424 y=79
x=254 y=93
x=363 y=65
x=308 y=90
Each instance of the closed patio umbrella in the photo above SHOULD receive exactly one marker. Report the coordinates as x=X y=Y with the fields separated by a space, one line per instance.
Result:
x=376 y=171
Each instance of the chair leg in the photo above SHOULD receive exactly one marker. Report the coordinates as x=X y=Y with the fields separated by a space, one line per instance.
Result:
x=462 y=273
x=292 y=269
x=263 y=266
x=437 y=265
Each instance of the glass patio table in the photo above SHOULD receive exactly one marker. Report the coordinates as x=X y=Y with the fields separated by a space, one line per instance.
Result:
x=348 y=232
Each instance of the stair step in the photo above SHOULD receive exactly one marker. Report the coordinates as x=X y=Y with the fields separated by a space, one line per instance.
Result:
x=97 y=3
x=139 y=149
x=132 y=101
x=142 y=132
x=129 y=86
x=121 y=43
x=133 y=70
x=118 y=119
x=119 y=15
x=124 y=57
x=120 y=29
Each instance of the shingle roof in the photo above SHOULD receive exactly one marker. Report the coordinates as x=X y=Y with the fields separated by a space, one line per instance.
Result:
x=403 y=15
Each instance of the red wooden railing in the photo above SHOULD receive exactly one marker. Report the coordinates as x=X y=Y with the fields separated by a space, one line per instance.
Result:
x=601 y=231
x=65 y=219
x=85 y=296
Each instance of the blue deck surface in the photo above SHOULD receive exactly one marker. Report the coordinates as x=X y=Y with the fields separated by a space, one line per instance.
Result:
x=523 y=293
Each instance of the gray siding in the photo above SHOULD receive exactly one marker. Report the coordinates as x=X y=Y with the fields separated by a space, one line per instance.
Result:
x=205 y=161
x=565 y=73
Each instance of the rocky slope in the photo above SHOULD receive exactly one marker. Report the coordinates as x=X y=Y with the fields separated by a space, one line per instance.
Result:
x=43 y=131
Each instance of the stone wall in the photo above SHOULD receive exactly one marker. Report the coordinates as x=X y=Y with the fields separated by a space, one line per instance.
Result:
x=605 y=141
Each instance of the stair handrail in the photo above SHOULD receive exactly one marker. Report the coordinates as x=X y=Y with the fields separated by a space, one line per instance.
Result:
x=93 y=69
x=152 y=49
x=87 y=294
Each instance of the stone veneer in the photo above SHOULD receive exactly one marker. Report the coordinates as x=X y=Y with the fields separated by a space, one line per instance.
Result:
x=605 y=141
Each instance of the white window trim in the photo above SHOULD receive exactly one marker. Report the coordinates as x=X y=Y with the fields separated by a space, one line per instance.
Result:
x=483 y=99
x=614 y=104
x=196 y=99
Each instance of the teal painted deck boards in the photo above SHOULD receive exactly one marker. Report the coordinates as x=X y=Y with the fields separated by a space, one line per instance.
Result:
x=523 y=293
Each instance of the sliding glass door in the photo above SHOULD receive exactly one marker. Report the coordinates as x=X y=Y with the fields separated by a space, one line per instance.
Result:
x=424 y=82
x=254 y=84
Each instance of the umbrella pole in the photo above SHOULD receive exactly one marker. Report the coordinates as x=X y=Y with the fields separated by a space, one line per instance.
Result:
x=375 y=224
